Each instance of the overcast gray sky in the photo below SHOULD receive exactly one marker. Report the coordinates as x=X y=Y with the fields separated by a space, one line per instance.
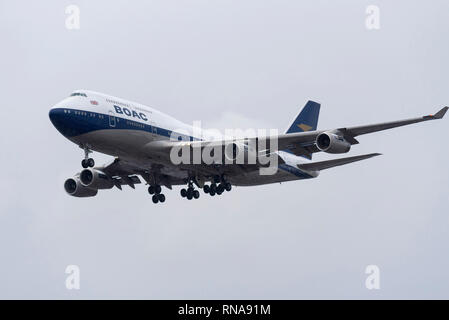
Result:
x=230 y=64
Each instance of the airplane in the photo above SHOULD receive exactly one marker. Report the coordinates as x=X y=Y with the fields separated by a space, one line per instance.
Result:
x=140 y=139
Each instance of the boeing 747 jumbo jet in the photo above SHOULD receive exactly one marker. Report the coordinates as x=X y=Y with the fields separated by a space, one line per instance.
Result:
x=148 y=143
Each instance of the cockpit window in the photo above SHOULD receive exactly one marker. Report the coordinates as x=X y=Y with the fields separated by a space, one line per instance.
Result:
x=78 y=94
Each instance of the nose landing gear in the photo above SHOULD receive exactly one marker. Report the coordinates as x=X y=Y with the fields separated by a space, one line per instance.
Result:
x=87 y=162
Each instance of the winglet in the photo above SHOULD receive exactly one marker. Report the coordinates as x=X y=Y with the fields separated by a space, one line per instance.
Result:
x=440 y=114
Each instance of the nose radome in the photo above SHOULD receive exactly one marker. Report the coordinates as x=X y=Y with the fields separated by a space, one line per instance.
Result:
x=52 y=114
x=55 y=114
x=60 y=120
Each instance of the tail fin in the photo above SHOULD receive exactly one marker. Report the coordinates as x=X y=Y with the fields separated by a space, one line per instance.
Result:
x=307 y=119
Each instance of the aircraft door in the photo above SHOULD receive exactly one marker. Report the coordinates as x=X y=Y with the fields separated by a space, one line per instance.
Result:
x=153 y=129
x=111 y=119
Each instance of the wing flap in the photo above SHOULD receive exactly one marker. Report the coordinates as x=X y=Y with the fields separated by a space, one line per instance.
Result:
x=321 y=165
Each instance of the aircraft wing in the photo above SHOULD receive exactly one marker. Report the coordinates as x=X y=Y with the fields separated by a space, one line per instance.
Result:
x=321 y=165
x=303 y=143
x=356 y=131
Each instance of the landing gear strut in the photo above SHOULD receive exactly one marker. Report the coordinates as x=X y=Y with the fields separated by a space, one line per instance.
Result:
x=156 y=192
x=190 y=193
x=218 y=186
x=87 y=162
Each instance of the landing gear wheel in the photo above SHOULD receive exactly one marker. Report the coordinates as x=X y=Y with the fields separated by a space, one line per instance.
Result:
x=213 y=187
x=228 y=186
x=190 y=193
x=161 y=197
x=157 y=189
x=87 y=162
x=151 y=190
x=155 y=198
x=90 y=162
x=220 y=188
x=206 y=188
x=212 y=193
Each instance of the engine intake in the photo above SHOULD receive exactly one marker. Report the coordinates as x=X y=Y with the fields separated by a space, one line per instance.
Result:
x=95 y=179
x=332 y=143
x=74 y=188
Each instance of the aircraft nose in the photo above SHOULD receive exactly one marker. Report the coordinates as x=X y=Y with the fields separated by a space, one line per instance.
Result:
x=53 y=114
x=60 y=120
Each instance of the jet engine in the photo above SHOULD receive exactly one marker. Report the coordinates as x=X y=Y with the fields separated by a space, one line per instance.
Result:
x=95 y=179
x=332 y=143
x=74 y=188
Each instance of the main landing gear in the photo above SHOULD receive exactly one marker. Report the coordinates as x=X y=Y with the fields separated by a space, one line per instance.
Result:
x=218 y=186
x=156 y=192
x=190 y=193
x=87 y=162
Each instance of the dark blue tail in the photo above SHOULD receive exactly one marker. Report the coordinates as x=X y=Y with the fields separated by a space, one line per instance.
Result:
x=307 y=120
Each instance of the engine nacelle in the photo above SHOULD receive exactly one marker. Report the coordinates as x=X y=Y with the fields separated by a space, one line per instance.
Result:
x=332 y=143
x=95 y=179
x=74 y=188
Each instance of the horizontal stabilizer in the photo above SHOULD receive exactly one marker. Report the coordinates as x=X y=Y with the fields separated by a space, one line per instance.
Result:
x=321 y=165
